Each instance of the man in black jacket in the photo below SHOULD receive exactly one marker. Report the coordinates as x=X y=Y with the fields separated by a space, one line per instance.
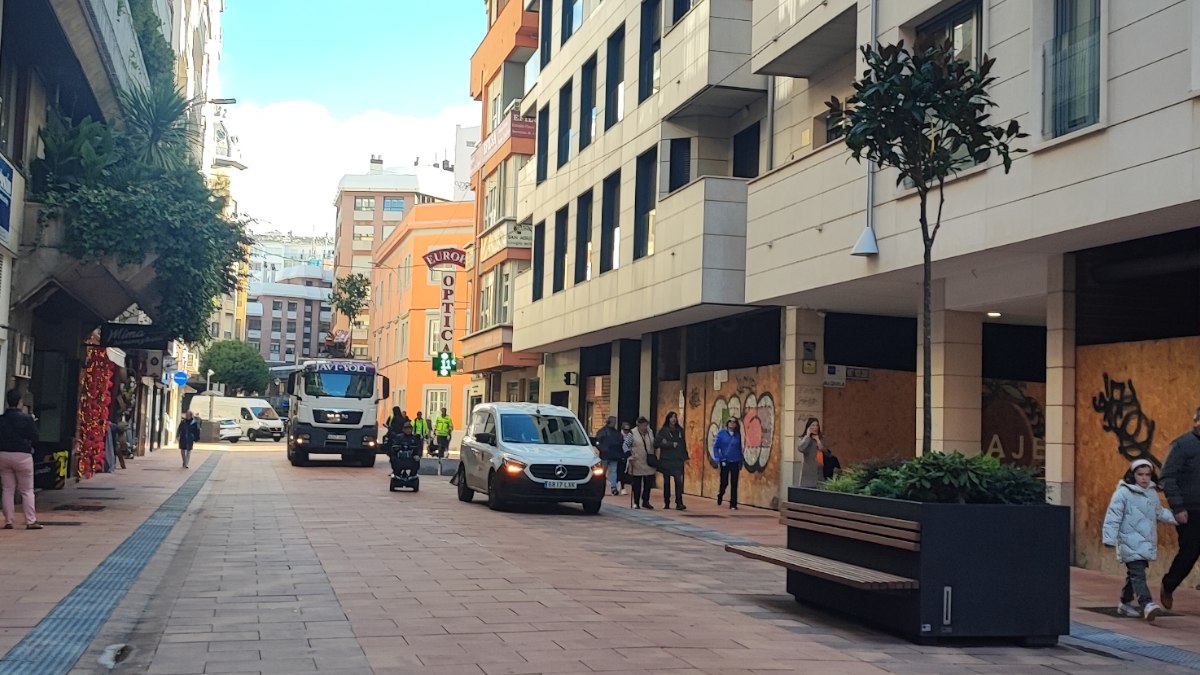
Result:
x=17 y=435
x=609 y=442
x=1181 y=482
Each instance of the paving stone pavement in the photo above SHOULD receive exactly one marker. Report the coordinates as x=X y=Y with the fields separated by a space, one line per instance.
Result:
x=276 y=569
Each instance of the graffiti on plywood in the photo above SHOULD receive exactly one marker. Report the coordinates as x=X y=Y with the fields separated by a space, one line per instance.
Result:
x=1124 y=417
x=757 y=414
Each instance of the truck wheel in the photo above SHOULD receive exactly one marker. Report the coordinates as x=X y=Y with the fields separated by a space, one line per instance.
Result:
x=495 y=503
x=299 y=458
x=465 y=494
x=368 y=461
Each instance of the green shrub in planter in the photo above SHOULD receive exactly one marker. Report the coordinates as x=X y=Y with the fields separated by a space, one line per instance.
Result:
x=944 y=478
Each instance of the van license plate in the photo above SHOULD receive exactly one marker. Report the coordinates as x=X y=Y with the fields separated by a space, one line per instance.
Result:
x=337 y=437
x=560 y=485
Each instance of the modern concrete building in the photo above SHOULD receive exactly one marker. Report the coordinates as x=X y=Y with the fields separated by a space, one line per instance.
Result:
x=369 y=207
x=502 y=245
x=273 y=252
x=287 y=320
x=409 y=322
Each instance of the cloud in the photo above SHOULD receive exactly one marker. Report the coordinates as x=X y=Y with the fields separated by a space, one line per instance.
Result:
x=296 y=152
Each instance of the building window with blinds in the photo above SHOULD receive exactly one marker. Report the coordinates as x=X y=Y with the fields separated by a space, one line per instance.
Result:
x=1071 y=90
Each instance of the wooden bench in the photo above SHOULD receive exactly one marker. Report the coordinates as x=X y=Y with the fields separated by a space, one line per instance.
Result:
x=890 y=532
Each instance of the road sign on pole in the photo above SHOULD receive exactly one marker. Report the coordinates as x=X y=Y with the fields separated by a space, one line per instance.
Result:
x=180 y=378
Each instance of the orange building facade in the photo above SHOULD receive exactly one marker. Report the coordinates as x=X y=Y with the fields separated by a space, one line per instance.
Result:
x=406 y=311
x=502 y=247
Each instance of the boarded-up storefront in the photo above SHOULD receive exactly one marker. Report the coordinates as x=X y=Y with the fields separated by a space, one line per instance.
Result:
x=1131 y=400
x=871 y=418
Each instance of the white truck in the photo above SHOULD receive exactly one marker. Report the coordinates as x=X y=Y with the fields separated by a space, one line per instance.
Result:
x=334 y=410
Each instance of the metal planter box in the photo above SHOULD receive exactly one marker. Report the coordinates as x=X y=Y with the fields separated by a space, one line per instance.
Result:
x=985 y=571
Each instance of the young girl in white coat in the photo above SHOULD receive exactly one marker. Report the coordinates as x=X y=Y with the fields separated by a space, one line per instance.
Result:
x=1131 y=525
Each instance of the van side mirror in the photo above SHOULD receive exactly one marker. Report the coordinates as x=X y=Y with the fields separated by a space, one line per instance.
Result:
x=485 y=438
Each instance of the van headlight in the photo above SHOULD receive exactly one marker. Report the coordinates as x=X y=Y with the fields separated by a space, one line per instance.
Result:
x=513 y=465
x=598 y=470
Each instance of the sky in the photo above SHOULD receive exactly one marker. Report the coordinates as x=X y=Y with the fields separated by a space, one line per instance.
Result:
x=321 y=86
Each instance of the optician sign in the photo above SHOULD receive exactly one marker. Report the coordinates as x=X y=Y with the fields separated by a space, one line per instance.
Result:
x=436 y=259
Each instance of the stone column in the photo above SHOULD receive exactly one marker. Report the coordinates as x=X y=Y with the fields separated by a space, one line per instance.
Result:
x=957 y=396
x=803 y=395
x=1060 y=381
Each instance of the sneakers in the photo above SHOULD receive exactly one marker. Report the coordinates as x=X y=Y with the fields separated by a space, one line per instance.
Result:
x=33 y=526
x=614 y=492
x=1152 y=611
x=636 y=505
x=733 y=507
x=8 y=526
x=646 y=505
x=624 y=492
x=1127 y=609
x=1167 y=597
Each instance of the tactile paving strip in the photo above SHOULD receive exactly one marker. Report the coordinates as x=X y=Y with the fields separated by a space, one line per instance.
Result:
x=57 y=642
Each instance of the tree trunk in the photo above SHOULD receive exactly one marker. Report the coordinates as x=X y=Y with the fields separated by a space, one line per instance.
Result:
x=927 y=350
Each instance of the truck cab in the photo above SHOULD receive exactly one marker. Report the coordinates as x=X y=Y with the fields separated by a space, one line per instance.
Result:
x=333 y=411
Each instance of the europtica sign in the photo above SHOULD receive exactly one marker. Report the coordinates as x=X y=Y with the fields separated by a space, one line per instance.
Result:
x=446 y=281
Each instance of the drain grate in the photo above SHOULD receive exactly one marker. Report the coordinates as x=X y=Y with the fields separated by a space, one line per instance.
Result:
x=57 y=642
x=80 y=507
x=1144 y=648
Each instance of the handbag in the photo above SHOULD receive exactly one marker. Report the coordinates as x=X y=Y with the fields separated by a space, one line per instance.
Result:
x=651 y=458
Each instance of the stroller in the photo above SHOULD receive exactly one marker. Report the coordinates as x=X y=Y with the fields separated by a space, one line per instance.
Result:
x=404 y=451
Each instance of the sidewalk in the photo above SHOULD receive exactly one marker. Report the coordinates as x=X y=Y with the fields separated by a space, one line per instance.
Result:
x=84 y=522
x=1174 y=638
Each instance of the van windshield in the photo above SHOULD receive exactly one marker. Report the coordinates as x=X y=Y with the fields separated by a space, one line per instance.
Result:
x=340 y=385
x=267 y=413
x=541 y=429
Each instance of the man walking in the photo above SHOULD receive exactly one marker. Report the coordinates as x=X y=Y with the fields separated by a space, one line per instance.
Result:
x=443 y=426
x=420 y=428
x=187 y=434
x=609 y=441
x=1181 y=482
x=17 y=435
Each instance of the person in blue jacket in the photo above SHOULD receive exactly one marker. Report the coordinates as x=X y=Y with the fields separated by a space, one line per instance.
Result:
x=727 y=453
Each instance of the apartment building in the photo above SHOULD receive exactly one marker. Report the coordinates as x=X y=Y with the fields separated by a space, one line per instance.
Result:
x=287 y=320
x=275 y=251
x=369 y=208
x=410 y=320
x=502 y=245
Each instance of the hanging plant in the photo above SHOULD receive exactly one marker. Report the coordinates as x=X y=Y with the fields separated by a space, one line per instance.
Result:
x=95 y=398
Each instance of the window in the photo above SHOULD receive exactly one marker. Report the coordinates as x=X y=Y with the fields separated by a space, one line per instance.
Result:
x=436 y=399
x=277 y=325
x=961 y=25
x=546 y=23
x=408 y=264
x=254 y=324
x=215 y=329
x=292 y=306
x=275 y=348
x=433 y=326
x=614 y=79
x=308 y=308
x=1072 y=68
x=645 y=197
x=504 y=314
x=564 y=124
x=572 y=18
x=404 y=340
x=534 y=391
x=364 y=203
x=679 y=8
x=587 y=103
x=393 y=204
x=681 y=163
x=610 y=225
x=542 y=429
x=539 y=260
x=543 y=142
x=277 y=305
x=583 y=237
x=559 y=272
x=827 y=131
x=649 y=56
x=745 y=152
x=255 y=345
x=487 y=299
x=291 y=327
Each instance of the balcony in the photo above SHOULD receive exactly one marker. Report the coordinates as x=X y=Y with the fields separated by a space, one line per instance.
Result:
x=102 y=35
x=797 y=38
x=491 y=350
x=706 y=61
x=507 y=234
x=512 y=37
x=799 y=213
x=253 y=334
x=696 y=273
x=514 y=134
x=276 y=335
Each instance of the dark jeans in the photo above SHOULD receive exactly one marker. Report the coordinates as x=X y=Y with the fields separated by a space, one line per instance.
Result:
x=1189 y=552
x=676 y=478
x=1135 y=583
x=443 y=444
x=641 y=488
x=730 y=473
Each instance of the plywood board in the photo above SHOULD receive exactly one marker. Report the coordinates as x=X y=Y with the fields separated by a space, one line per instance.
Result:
x=872 y=419
x=1148 y=392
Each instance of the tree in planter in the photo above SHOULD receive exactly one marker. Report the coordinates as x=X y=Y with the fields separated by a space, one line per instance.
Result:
x=350 y=293
x=925 y=114
x=237 y=365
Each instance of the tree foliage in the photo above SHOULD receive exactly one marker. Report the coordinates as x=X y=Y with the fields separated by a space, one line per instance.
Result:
x=237 y=365
x=157 y=55
x=925 y=114
x=350 y=294
x=134 y=193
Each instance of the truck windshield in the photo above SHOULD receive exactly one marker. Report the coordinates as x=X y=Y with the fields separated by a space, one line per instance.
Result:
x=264 y=413
x=542 y=429
x=339 y=385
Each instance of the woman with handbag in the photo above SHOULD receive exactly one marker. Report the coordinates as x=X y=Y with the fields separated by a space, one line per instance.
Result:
x=643 y=463
x=672 y=454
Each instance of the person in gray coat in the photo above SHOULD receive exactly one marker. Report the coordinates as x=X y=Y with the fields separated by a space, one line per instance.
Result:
x=1131 y=526
x=807 y=471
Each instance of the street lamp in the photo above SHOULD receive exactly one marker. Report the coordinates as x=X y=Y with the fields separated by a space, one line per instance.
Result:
x=208 y=393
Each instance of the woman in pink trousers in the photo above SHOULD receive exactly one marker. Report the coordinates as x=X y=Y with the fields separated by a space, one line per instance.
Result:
x=17 y=434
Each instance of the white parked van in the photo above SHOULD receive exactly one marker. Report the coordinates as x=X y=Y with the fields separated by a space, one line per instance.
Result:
x=255 y=416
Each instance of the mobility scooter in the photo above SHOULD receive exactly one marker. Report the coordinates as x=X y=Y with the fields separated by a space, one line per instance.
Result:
x=404 y=451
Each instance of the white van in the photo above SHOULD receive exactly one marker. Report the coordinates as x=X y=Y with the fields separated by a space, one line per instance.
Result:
x=255 y=416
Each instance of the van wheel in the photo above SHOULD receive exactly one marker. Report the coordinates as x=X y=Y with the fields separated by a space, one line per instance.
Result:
x=235 y=439
x=591 y=508
x=495 y=503
x=465 y=494
x=251 y=436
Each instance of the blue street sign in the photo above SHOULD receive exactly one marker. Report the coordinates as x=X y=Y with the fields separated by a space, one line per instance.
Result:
x=180 y=378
